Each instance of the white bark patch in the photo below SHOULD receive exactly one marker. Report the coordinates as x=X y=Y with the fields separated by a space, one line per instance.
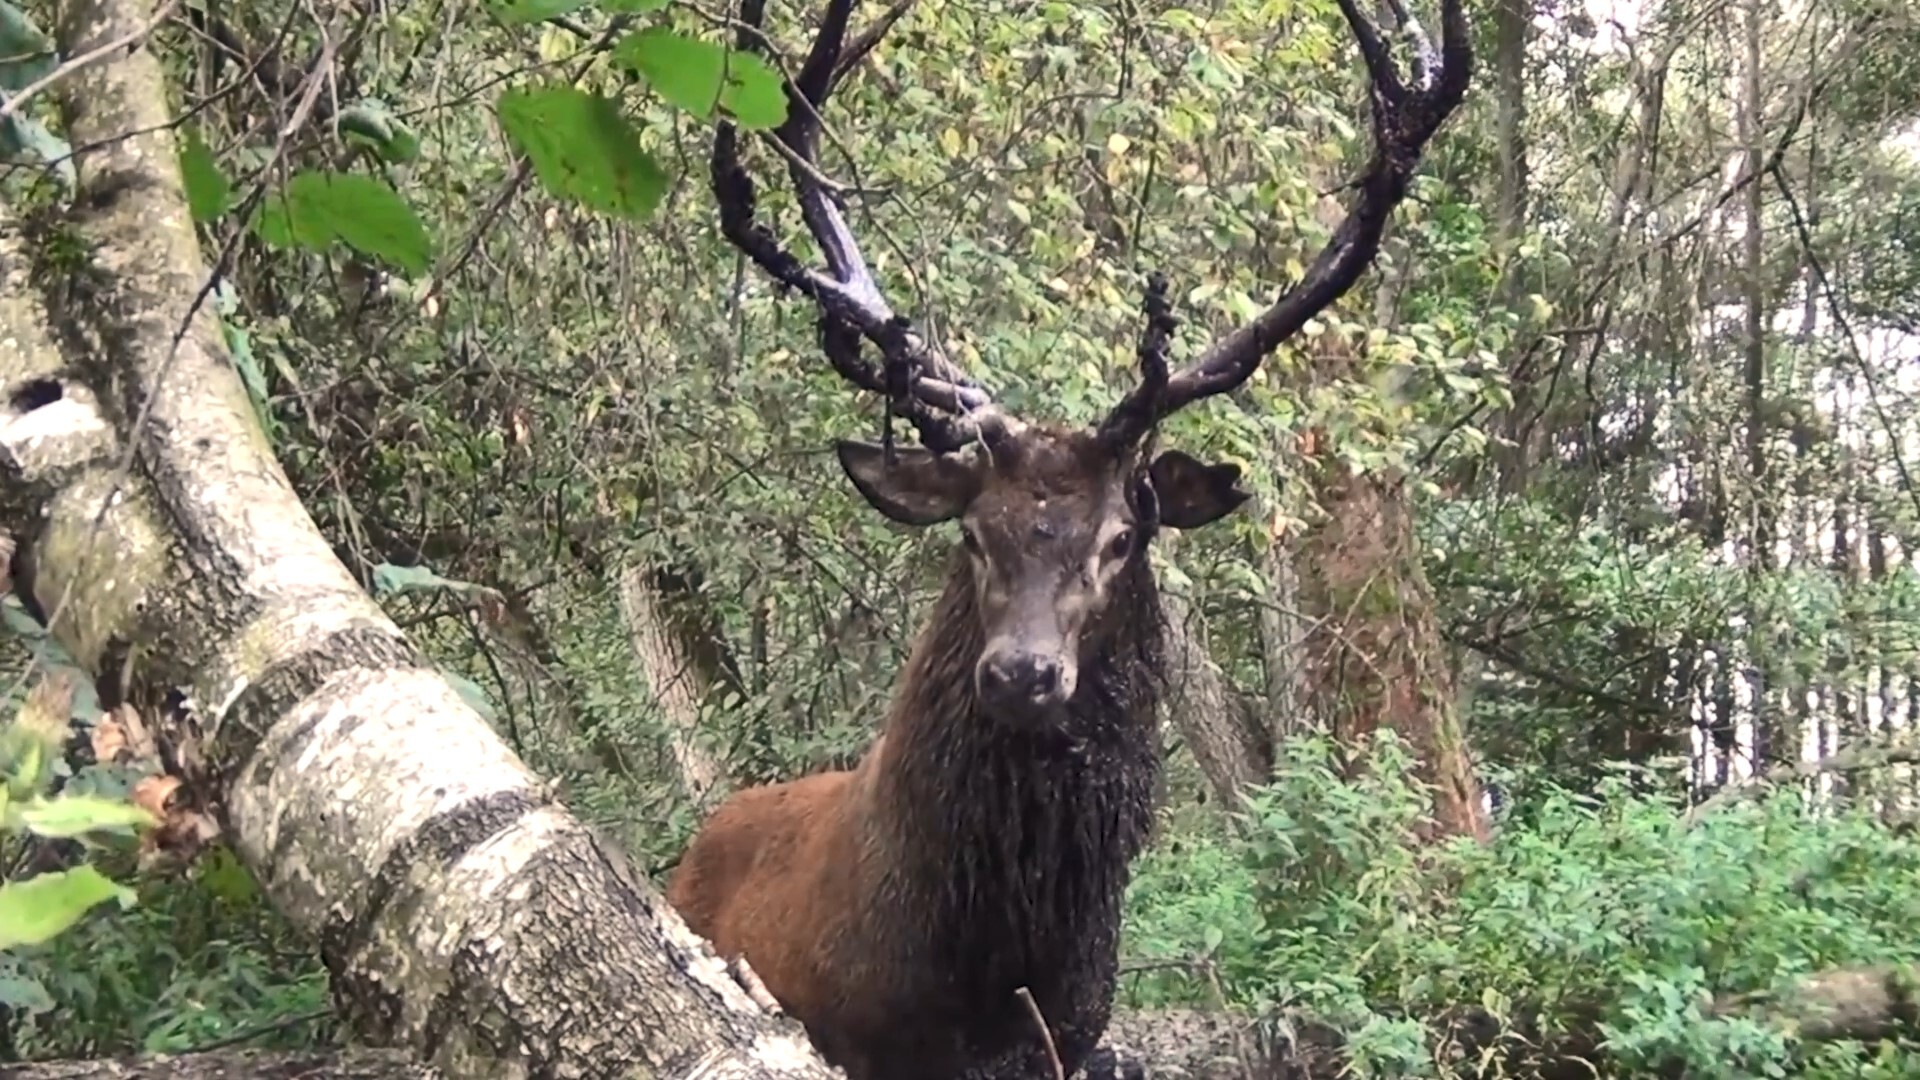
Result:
x=276 y=634
x=64 y=419
x=352 y=772
x=703 y=965
x=783 y=1054
x=474 y=903
x=490 y=868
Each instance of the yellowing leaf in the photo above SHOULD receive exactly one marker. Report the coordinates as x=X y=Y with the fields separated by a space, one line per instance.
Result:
x=1117 y=144
x=950 y=142
x=555 y=45
x=36 y=909
x=1019 y=211
x=76 y=815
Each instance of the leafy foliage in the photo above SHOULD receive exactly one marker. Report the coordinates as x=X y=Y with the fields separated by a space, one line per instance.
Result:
x=583 y=149
x=1602 y=913
x=43 y=905
x=317 y=209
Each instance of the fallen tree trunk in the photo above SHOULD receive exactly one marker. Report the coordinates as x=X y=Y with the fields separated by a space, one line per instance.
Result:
x=1864 y=1003
x=463 y=914
x=350 y=1064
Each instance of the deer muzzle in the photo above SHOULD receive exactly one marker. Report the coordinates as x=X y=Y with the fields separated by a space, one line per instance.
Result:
x=1027 y=675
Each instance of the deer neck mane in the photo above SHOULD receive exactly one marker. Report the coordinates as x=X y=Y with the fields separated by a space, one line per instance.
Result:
x=1014 y=838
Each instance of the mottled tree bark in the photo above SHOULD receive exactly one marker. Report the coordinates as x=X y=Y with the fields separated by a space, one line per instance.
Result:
x=464 y=915
x=678 y=680
x=1226 y=735
x=1375 y=657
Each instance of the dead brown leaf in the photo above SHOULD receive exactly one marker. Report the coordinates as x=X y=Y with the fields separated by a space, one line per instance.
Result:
x=153 y=793
x=122 y=738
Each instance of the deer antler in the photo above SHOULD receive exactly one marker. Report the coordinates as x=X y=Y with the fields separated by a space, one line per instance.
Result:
x=947 y=407
x=1404 y=118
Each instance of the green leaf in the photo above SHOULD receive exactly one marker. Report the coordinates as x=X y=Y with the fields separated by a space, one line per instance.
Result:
x=15 y=623
x=34 y=910
x=252 y=376
x=22 y=994
x=27 y=54
x=225 y=876
x=389 y=579
x=521 y=12
x=74 y=815
x=318 y=208
x=104 y=781
x=472 y=694
x=372 y=123
x=698 y=75
x=208 y=193
x=756 y=95
x=633 y=7
x=583 y=149
x=25 y=137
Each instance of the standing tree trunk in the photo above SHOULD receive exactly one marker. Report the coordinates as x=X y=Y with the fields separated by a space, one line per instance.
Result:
x=678 y=678
x=462 y=913
x=1760 y=539
x=1374 y=654
x=1225 y=733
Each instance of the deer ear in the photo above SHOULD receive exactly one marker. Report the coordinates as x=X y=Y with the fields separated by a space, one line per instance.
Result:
x=1193 y=493
x=919 y=488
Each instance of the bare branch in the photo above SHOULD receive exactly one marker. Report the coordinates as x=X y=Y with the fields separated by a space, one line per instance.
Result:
x=1404 y=119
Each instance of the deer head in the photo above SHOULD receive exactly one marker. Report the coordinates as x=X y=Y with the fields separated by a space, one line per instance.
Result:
x=1054 y=520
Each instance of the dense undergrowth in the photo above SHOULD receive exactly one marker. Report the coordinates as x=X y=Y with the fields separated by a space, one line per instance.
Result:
x=1606 y=914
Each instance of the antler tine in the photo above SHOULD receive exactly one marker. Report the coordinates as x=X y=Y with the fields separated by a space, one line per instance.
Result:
x=1405 y=117
x=1126 y=424
x=934 y=394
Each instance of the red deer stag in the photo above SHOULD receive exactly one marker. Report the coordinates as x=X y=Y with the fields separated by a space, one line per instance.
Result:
x=982 y=845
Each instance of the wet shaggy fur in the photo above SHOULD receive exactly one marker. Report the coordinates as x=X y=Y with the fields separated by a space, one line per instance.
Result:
x=895 y=909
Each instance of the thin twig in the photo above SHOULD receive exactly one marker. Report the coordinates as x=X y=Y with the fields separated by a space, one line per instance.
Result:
x=99 y=52
x=1046 y=1037
x=269 y=1028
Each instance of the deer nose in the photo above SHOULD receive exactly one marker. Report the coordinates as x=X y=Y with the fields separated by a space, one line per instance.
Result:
x=1029 y=679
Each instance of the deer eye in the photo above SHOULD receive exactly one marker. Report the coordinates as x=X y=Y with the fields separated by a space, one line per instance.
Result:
x=1121 y=545
x=969 y=540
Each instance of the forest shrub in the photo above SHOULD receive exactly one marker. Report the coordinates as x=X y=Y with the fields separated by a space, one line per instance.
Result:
x=199 y=962
x=1604 y=910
